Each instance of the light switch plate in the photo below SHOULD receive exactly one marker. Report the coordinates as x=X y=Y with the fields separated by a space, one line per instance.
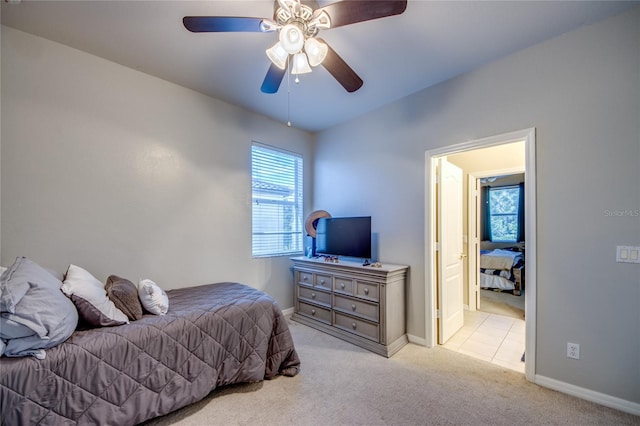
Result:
x=628 y=254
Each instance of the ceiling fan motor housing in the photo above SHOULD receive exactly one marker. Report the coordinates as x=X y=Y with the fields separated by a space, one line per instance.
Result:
x=292 y=12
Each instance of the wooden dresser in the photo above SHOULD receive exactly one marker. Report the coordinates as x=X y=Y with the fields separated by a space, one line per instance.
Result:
x=364 y=305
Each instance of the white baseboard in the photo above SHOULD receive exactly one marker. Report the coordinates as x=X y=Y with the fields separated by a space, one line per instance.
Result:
x=288 y=312
x=417 y=340
x=589 y=395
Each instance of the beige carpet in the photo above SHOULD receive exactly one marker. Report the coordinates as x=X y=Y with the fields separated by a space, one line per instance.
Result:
x=341 y=384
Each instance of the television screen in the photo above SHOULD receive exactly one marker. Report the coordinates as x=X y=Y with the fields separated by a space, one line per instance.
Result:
x=344 y=236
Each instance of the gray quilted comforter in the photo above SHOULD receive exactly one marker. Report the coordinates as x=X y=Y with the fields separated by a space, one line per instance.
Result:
x=213 y=335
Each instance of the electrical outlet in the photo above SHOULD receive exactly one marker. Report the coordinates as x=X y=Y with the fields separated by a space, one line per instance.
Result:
x=573 y=350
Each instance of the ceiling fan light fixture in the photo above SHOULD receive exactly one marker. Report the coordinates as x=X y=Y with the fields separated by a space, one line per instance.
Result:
x=278 y=55
x=292 y=5
x=268 y=26
x=283 y=16
x=291 y=38
x=300 y=64
x=320 y=19
x=316 y=51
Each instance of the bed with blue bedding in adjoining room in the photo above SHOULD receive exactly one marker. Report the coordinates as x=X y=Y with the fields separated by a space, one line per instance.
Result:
x=502 y=269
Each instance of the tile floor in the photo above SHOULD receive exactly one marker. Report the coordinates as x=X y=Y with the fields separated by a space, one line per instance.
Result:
x=493 y=338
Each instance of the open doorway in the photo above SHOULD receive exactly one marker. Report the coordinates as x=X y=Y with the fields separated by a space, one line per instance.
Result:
x=495 y=233
x=436 y=318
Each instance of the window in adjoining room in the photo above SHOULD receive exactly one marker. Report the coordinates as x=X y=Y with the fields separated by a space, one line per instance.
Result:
x=505 y=209
x=276 y=195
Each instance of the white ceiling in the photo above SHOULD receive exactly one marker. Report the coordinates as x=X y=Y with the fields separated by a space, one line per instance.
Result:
x=395 y=56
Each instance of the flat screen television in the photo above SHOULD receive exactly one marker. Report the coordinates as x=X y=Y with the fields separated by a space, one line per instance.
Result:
x=344 y=236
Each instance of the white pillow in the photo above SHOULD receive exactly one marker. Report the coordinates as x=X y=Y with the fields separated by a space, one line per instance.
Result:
x=90 y=298
x=152 y=297
x=2 y=269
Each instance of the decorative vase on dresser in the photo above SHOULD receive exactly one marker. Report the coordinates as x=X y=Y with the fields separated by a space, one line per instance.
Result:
x=364 y=305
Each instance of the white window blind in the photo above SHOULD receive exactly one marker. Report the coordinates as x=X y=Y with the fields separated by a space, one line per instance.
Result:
x=276 y=189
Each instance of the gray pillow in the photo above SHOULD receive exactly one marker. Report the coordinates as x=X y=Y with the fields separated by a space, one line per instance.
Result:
x=10 y=295
x=43 y=308
x=124 y=294
x=10 y=329
x=90 y=298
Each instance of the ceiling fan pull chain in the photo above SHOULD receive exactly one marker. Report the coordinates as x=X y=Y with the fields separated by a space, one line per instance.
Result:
x=288 y=108
x=288 y=95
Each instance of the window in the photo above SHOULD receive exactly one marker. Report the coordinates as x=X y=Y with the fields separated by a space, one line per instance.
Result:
x=276 y=195
x=504 y=213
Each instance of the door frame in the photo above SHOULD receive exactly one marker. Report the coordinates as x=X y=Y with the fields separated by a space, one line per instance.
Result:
x=529 y=138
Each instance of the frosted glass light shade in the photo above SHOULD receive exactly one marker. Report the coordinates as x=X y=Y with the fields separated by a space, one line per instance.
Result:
x=291 y=38
x=316 y=51
x=278 y=55
x=300 y=64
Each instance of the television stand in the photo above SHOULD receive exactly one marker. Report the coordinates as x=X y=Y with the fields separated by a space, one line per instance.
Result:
x=360 y=304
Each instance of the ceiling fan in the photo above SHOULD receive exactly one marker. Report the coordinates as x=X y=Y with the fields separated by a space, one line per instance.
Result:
x=298 y=23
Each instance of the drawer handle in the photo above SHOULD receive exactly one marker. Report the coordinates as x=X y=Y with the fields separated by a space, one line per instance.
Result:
x=321 y=281
x=313 y=312
x=353 y=325
x=305 y=278
x=341 y=285
x=353 y=307
x=313 y=295
x=366 y=290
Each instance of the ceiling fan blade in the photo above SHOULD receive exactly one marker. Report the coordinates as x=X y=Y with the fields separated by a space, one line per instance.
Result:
x=342 y=72
x=352 y=11
x=272 y=80
x=221 y=24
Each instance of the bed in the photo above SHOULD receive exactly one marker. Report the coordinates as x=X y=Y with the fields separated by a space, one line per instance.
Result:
x=502 y=269
x=212 y=335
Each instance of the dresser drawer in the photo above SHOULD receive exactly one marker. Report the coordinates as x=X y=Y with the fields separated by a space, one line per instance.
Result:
x=356 y=307
x=313 y=295
x=357 y=326
x=367 y=290
x=343 y=285
x=323 y=281
x=315 y=312
x=305 y=278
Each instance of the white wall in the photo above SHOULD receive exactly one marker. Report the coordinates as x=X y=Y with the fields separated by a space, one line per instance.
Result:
x=581 y=91
x=122 y=173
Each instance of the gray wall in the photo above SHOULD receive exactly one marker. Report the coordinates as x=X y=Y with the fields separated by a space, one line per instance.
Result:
x=123 y=173
x=581 y=91
x=0 y=156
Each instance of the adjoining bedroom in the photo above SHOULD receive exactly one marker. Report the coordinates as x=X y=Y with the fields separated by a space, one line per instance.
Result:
x=246 y=212
x=502 y=247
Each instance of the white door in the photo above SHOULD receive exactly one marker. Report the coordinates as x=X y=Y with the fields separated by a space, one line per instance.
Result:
x=473 y=243
x=450 y=254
